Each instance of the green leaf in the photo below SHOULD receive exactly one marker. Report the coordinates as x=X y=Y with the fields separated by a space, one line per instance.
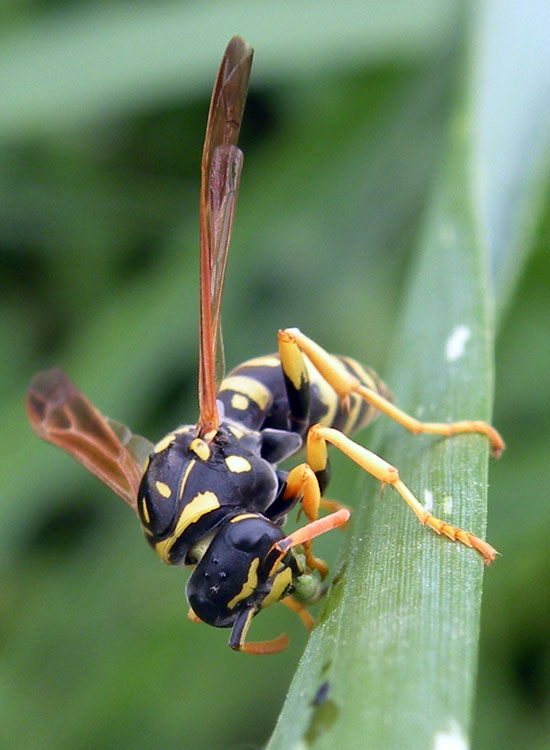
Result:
x=395 y=650
x=401 y=625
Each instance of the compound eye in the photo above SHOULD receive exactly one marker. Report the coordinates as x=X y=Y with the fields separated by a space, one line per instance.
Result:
x=253 y=534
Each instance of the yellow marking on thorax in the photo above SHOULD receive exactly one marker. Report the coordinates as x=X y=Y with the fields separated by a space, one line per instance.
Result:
x=163 y=489
x=144 y=509
x=237 y=464
x=164 y=443
x=200 y=449
x=249 y=585
x=240 y=402
x=184 y=478
x=200 y=505
x=163 y=549
x=280 y=584
x=248 y=386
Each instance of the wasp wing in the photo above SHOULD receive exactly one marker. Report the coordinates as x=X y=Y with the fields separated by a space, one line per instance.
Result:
x=220 y=172
x=60 y=414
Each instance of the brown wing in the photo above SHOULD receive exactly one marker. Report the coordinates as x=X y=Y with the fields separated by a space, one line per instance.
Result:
x=60 y=414
x=220 y=173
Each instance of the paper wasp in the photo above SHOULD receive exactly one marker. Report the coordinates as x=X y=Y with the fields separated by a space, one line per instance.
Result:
x=210 y=495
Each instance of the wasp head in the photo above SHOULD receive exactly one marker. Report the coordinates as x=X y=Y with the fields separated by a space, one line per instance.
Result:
x=241 y=571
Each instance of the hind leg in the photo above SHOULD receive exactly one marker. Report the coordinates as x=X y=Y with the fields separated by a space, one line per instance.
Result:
x=319 y=436
x=345 y=384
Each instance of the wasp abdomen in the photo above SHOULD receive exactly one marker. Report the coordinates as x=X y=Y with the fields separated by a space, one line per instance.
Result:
x=255 y=395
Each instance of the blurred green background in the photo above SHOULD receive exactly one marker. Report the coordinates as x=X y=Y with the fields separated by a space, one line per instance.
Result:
x=102 y=114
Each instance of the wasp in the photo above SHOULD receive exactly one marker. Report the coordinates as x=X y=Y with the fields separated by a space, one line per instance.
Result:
x=210 y=495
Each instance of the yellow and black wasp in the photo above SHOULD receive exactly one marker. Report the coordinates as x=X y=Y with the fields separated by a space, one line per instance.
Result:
x=210 y=495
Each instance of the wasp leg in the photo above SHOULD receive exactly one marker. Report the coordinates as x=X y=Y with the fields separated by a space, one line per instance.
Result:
x=332 y=505
x=319 y=436
x=345 y=384
x=192 y=617
x=302 y=483
x=301 y=611
x=296 y=383
x=238 y=635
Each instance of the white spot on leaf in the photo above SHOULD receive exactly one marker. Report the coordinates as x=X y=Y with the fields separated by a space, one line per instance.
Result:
x=447 y=504
x=451 y=739
x=454 y=348
x=428 y=500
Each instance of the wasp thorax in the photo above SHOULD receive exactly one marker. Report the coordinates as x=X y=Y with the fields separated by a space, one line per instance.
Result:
x=191 y=485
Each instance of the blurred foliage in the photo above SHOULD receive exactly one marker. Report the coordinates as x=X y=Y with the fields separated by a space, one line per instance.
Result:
x=103 y=106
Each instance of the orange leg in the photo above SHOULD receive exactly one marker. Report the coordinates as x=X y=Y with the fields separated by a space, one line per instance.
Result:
x=319 y=436
x=302 y=483
x=300 y=610
x=192 y=617
x=332 y=505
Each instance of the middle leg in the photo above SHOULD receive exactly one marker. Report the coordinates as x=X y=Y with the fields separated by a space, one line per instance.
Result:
x=316 y=451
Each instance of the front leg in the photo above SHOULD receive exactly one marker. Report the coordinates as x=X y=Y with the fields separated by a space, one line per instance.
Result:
x=302 y=485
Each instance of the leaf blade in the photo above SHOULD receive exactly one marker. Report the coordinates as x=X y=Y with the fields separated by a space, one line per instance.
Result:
x=398 y=640
x=397 y=584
